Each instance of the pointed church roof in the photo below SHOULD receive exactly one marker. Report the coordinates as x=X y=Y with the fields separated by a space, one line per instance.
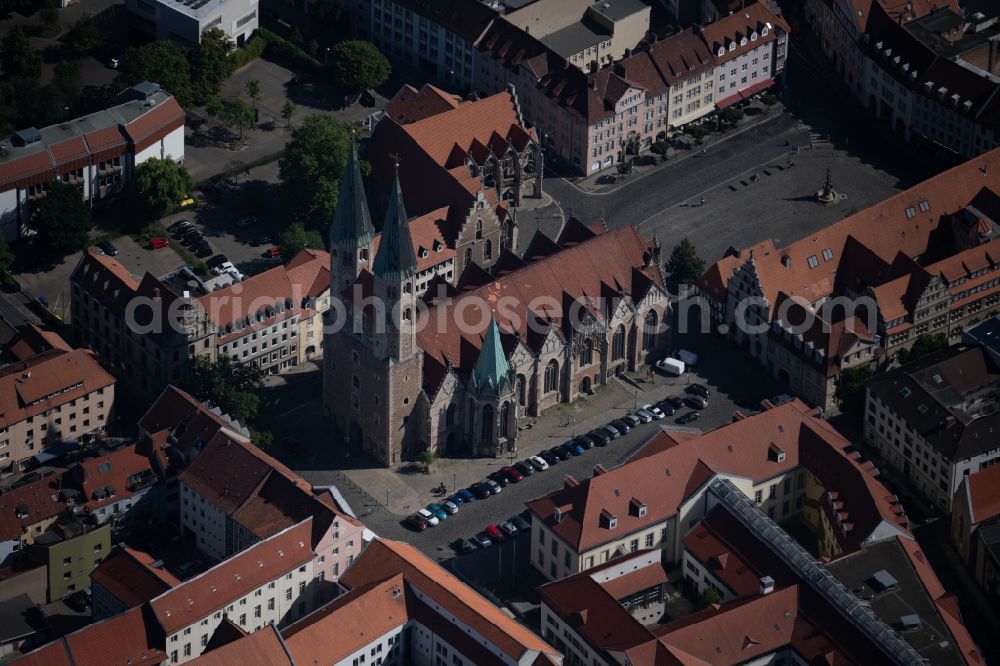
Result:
x=491 y=366
x=395 y=259
x=352 y=223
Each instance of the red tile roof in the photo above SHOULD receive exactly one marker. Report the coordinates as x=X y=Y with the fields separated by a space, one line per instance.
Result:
x=233 y=578
x=430 y=244
x=260 y=648
x=131 y=577
x=119 y=470
x=409 y=105
x=130 y=639
x=31 y=341
x=28 y=505
x=983 y=489
x=722 y=560
x=740 y=25
x=155 y=124
x=179 y=420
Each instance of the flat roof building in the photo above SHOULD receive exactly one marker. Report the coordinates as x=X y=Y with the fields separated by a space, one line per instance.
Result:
x=184 y=21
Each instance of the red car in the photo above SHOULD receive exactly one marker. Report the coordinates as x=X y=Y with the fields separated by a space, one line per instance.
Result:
x=495 y=535
x=272 y=252
x=416 y=522
x=157 y=243
x=512 y=474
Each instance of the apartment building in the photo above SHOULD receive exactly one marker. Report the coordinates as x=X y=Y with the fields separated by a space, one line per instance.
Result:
x=60 y=394
x=69 y=550
x=862 y=289
x=125 y=579
x=26 y=512
x=974 y=519
x=932 y=420
x=113 y=485
x=782 y=459
x=96 y=153
x=593 y=119
x=408 y=610
x=226 y=513
x=184 y=21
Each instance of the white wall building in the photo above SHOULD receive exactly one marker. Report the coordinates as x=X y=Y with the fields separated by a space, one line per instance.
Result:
x=183 y=21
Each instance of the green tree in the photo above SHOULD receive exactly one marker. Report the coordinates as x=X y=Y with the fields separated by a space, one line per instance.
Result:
x=358 y=66
x=215 y=107
x=49 y=17
x=231 y=385
x=923 y=345
x=239 y=116
x=6 y=256
x=710 y=596
x=427 y=458
x=296 y=238
x=84 y=37
x=17 y=57
x=850 y=391
x=211 y=63
x=768 y=99
x=62 y=96
x=253 y=91
x=731 y=115
x=160 y=62
x=311 y=167
x=624 y=167
x=161 y=184
x=61 y=220
x=684 y=265
x=696 y=131
x=287 y=111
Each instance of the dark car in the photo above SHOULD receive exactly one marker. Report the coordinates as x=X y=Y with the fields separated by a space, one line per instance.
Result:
x=512 y=474
x=585 y=441
x=525 y=468
x=668 y=409
x=261 y=240
x=632 y=420
x=480 y=490
x=698 y=389
x=520 y=523
x=559 y=452
x=296 y=80
x=465 y=495
x=78 y=601
x=203 y=250
x=623 y=427
x=456 y=499
x=549 y=458
x=462 y=546
x=192 y=241
x=416 y=523
x=481 y=540
x=572 y=448
x=108 y=248
x=598 y=437
x=690 y=417
x=499 y=478
x=176 y=226
x=217 y=260
x=674 y=401
x=697 y=402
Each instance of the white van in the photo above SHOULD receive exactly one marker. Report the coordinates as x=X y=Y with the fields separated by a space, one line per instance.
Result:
x=671 y=366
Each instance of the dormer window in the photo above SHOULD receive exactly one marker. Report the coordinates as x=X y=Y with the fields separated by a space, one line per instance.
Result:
x=743 y=42
x=637 y=507
x=608 y=520
x=753 y=37
x=722 y=51
x=763 y=32
x=732 y=46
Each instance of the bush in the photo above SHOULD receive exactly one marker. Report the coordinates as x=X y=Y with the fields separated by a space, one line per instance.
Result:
x=250 y=51
x=697 y=131
x=659 y=147
x=280 y=49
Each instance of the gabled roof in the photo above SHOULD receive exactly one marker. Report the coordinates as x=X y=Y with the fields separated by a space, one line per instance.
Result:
x=983 y=488
x=30 y=504
x=130 y=575
x=111 y=477
x=409 y=105
x=260 y=648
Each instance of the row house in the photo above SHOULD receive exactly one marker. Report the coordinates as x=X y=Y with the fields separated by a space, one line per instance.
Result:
x=96 y=153
x=781 y=459
x=59 y=395
x=857 y=292
x=932 y=419
x=593 y=119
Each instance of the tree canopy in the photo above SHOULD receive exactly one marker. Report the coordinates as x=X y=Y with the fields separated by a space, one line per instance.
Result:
x=18 y=58
x=358 y=65
x=161 y=184
x=684 y=265
x=311 y=167
x=235 y=388
x=162 y=62
x=61 y=220
x=6 y=256
x=238 y=115
x=296 y=238
x=211 y=63
x=851 y=389
x=84 y=37
x=923 y=345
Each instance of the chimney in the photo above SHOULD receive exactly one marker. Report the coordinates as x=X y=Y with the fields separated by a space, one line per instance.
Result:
x=599 y=469
x=766 y=585
x=570 y=482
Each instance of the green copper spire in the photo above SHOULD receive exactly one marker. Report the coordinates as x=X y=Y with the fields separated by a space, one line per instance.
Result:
x=395 y=260
x=491 y=366
x=352 y=223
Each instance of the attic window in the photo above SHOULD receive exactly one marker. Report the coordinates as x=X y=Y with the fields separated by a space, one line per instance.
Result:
x=743 y=42
x=732 y=46
x=423 y=253
x=922 y=409
x=722 y=51
x=608 y=520
x=812 y=261
x=905 y=392
x=763 y=32
x=937 y=379
x=827 y=254
x=924 y=206
x=438 y=246
x=911 y=212
x=753 y=37
x=638 y=507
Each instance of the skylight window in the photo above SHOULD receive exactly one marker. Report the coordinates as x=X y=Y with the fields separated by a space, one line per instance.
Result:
x=911 y=212
x=827 y=254
x=924 y=206
x=905 y=392
x=104 y=467
x=812 y=261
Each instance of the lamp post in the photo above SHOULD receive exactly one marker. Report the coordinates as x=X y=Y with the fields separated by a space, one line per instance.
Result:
x=326 y=56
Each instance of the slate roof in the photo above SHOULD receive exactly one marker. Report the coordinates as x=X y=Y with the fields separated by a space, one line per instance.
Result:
x=395 y=260
x=352 y=223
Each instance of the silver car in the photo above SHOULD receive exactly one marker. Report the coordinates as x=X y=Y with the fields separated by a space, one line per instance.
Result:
x=450 y=506
x=643 y=415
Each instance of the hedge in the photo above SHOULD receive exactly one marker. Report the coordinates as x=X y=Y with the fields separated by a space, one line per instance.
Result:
x=252 y=50
x=279 y=48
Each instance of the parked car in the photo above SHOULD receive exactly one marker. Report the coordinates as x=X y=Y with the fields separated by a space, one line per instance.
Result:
x=416 y=522
x=599 y=437
x=559 y=453
x=539 y=462
x=217 y=260
x=203 y=250
x=698 y=389
x=157 y=243
x=456 y=499
x=480 y=490
x=494 y=534
x=450 y=507
x=176 y=226
x=180 y=231
x=690 y=417
x=481 y=540
x=689 y=358
x=246 y=221
x=697 y=402
x=781 y=399
x=612 y=431
x=671 y=366
x=512 y=474
x=78 y=601
x=494 y=487
x=520 y=523
x=272 y=252
x=632 y=420
x=427 y=515
x=224 y=267
x=525 y=468
x=437 y=510
x=654 y=411
x=643 y=415
x=462 y=546
x=260 y=240
x=115 y=62
x=465 y=495
x=573 y=448
x=622 y=426
x=508 y=528
x=548 y=458
x=108 y=248
x=674 y=401
x=185 y=202
x=585 y=441
x=498 y=478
